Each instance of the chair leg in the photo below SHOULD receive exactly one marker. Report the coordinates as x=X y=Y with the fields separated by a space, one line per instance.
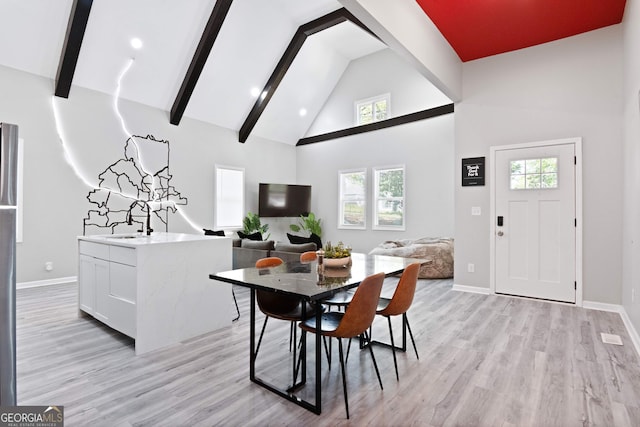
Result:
x=344 y=378
x=406 y=322
x=295 y=348
x=296 y=368
x=291 y=335
x=393 y=348
x=375 y=365
x=236 y=302
x=264 y=325
x=327 y=350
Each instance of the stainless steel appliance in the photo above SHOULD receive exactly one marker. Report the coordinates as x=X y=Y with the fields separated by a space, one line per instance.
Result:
x=8 y=202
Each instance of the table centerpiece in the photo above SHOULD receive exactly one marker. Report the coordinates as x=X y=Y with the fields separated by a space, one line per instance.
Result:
x=337 y=256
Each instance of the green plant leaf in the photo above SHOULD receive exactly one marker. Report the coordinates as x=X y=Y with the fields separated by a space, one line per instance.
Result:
x=308 y=223
x=251 y=223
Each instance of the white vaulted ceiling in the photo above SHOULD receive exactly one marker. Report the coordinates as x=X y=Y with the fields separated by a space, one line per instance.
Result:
x=251 y=41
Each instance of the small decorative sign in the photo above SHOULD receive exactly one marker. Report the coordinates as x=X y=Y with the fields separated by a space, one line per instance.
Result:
x=473 y=171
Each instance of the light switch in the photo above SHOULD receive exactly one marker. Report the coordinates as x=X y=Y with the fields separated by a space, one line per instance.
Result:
x=475 y=210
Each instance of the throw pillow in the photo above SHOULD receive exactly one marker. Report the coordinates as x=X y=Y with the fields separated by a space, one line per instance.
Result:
x=298 y=239
x=213 y=232
x=314 y=238
x=267 y=245
x=253 y=236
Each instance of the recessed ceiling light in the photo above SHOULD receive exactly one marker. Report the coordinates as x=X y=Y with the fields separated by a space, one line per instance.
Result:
x=255 y=92
x=302 y=112
x=136 y=43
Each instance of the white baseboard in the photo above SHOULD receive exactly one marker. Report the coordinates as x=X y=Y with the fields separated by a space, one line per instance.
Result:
x=48 y=282
x=633 y=333
x=593 y=305
x=472 y=289
x=631 y=330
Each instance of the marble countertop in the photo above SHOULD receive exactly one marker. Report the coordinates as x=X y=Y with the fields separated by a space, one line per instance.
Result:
x=138 y=239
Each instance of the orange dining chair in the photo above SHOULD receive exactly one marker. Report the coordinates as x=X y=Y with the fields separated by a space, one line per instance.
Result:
x=354 y=322
x=280 y=306
x=308 y=256
x=399 y=304
x=272 y=261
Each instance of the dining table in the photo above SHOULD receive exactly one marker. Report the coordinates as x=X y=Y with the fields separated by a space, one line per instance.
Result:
x=310 y=282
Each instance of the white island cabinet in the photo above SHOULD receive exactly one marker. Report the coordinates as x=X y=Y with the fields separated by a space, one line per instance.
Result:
x=155 y=289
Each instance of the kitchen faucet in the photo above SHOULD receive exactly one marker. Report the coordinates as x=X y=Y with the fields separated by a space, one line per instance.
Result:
x=149 y=229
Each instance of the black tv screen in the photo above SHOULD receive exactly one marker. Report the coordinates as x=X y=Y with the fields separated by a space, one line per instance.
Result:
x=284 y=200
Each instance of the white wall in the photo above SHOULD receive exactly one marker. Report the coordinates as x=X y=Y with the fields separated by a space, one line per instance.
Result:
x=376 y=74
x=631 y=226
x=426 y=149
x=405 y=28
x=568 y=88
x=55 y=198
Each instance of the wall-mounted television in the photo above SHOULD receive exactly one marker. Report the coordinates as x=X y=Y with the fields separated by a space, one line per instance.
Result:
x=284 y=200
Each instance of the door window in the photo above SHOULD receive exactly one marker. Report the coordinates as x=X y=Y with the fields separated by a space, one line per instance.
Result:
x=536 y=174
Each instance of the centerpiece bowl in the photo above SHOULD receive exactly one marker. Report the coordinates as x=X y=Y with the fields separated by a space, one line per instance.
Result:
x=338 y=256
x=337 y=262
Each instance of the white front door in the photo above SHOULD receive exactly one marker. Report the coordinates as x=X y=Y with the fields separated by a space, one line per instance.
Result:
x=535 y=222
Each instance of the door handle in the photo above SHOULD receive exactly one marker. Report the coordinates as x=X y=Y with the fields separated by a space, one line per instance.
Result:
x=500 y=233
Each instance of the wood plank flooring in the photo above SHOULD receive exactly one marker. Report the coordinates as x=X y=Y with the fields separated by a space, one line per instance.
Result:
x=485 y=360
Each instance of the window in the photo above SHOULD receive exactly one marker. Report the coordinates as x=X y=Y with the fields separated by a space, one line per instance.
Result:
x=229 y=209
x=388 y=198
x=373 y=109
x=353 y=205
x=534 y=173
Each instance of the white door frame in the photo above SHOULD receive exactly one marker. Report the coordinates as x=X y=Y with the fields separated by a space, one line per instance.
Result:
x=577 y=142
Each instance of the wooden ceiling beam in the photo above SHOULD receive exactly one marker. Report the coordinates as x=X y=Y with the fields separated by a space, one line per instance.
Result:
x=76 y=27
x=199 y=59
x=383 y=124
x=304 y=31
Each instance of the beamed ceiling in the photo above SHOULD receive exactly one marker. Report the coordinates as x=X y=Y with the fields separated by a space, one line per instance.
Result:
x=202 y=58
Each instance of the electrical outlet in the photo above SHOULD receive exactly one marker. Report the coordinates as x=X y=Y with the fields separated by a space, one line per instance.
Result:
x=476 y=210
x=471 y=268
x=48 y=266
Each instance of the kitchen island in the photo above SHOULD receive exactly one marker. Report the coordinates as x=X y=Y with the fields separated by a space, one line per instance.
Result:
x=155 y=289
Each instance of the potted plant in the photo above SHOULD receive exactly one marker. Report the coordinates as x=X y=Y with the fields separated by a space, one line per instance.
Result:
x=251 y=224
x=337 y=256
x=311 y=224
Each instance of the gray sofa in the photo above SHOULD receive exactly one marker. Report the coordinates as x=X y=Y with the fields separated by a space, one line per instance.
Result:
x=246 y=252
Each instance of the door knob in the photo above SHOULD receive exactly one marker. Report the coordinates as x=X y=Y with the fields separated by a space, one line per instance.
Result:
x=500 y=233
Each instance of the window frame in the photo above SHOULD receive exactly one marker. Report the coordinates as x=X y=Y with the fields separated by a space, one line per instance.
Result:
x=342 y=200
x=375 y=196
x=525 y=174
x=372 y=100
x=218 y=194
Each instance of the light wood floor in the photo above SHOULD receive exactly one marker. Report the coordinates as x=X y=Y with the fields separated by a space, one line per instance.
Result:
x=484 y=361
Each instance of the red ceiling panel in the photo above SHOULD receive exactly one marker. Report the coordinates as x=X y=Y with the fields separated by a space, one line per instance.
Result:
x=479 y=28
